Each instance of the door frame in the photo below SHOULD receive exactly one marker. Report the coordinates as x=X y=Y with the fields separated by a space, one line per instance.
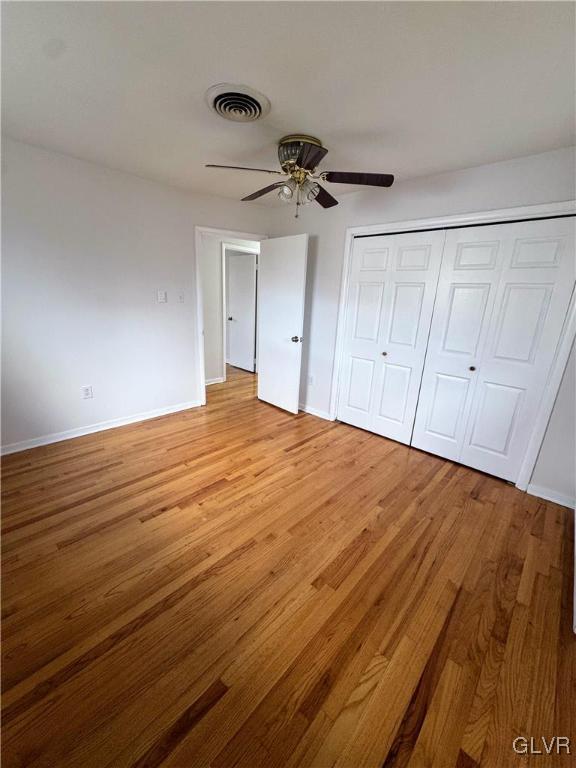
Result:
x=224 y=234
x=476 y=218
x=225 y=246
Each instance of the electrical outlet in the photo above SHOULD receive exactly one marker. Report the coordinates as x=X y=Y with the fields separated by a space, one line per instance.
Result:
x=162 y=297
x=181 y=297
x=87 y=393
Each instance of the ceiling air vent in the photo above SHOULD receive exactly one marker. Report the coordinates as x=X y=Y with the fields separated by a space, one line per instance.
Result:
x=237 y=102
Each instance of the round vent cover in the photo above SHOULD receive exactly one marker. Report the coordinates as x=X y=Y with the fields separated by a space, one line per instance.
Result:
x=237 y=102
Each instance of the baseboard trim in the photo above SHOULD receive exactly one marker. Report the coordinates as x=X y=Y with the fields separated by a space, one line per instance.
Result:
x=549 y=495
x=219 y=380
x=316 y=412
x=101 y=426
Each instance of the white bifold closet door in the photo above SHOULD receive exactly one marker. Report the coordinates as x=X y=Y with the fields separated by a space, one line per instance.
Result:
x=390 y=297
x=502 y=299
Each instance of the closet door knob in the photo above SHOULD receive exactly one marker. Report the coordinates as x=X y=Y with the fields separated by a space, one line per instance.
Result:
x=472 y=368
x=384 y=353
x=229 y=318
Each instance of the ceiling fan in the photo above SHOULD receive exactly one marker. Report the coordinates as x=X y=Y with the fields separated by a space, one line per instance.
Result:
x=299 y=155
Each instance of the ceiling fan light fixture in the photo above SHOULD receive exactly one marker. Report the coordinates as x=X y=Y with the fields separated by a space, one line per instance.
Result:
x=286 y=192
x=308 y=191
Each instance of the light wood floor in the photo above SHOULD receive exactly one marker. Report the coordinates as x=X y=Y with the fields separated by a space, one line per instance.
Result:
x=236 y=586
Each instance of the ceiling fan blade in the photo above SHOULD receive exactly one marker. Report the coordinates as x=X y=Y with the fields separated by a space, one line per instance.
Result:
x=370 y=179
x=325 y=198
x=263 y=191
x=310 y=155
x=242 y=168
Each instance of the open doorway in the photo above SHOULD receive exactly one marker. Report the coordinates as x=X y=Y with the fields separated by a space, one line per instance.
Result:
x=239 y=287
x=213 y=247
x=259 y=283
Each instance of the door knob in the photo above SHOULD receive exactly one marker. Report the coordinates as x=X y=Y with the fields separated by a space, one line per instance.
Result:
x=384 y=353
x=296 y=338
x=229 y=318
x=472 y=368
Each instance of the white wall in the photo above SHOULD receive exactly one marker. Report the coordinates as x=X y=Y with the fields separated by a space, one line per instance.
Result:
x=555 y=471
x=210 y=269
x=543 y=178
x=84 y=251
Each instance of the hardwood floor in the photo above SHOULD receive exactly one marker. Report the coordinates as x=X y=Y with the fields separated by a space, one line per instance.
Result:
x=235 y=586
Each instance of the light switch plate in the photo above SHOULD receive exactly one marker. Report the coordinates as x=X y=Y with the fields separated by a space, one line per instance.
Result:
x=162 y=297
x=87 y=393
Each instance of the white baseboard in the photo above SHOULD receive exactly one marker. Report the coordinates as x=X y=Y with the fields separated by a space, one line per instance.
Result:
x=315 y=412
x=219 y=380
x=550 y=495
x=56 y=437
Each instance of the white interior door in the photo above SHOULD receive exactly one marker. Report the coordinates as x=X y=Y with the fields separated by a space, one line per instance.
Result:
x=240 y=309
x=389 y=302
x=502 y=299
x=281 y=290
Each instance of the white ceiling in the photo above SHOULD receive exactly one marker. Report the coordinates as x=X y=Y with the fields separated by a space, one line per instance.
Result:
x=405 y=88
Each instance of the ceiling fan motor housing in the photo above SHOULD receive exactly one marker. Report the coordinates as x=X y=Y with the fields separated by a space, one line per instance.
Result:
x=289 y=149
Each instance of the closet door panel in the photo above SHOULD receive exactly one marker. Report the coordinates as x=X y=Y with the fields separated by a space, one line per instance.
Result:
x=389 y=303
x=447 y=406
x=502 y=299
x=465 y=299
x=360 y=388
x=363 y=321
x=413 y=277
x=465 y=315
x=405 y=314
x=536 y=282
x=394 y=392
x=367 y=311
x=496 y=415
x=520 y=321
